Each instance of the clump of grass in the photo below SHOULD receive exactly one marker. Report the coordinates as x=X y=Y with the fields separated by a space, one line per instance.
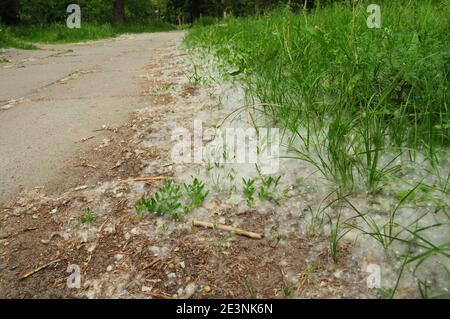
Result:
x=351 y=95
x=59 y=33
x=315 y=217
x=336 y=235
x=89 y=217
x=356 y=103
x=8 y=40
x=310 y=274
x=390 y=231
x=205 y=21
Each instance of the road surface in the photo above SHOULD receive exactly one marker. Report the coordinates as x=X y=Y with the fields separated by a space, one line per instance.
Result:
x=53 y=98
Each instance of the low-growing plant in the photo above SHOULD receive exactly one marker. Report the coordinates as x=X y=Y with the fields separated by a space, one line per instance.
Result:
x=388 y=232
x=268 y=187
x=336 y=235
x=196 y=193
x=316 y=216
x=309 y=275
x=249 y=190
x=174 y=200
x=88 y=217
x=166 y=201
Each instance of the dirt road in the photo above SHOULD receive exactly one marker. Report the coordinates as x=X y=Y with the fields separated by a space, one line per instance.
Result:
x=55 y=101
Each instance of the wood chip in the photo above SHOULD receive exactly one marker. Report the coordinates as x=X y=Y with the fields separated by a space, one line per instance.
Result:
x=152 y=263
x=87 y=138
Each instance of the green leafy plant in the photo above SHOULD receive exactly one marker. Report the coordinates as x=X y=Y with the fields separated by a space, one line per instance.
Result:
x=287 y=292
x=268 y=187
x=174 y=200
x=166 y=201
x=196 y=193
x=249 y=190
x=88 y=217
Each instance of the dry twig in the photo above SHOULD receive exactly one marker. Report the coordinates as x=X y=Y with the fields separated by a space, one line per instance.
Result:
x=235 y=230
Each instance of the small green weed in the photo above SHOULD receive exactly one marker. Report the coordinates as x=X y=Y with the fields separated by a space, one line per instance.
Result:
x=196 y=193
x=88 y=217
x=249 y=190
x=167 y=201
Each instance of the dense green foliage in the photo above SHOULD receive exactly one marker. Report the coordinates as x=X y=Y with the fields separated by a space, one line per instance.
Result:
x=351 y=94
x=44 y=20
x=137 y=11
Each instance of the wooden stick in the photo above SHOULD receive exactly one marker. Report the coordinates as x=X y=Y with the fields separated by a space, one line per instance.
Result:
x=39 y=269
x=238 y=231
x=152 y=263
x=143 y=179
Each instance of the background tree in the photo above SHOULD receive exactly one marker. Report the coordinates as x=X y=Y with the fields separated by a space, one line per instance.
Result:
x=41 y=12
x=119 y=11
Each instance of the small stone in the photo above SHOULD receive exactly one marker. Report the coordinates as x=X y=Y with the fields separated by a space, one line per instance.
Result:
x=118 y=257
x=154 y=250
x=91 y=248
x=171 y=275
x=189 y=290
x=182 y=264
x=171 y=266
x=207 y=289
x=3 y=235
x=146 y=289
x=53 y=211
x=176 y=249
x=109 y=268
x=111 y=229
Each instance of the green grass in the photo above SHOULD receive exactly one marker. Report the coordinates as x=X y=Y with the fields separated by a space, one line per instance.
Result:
x=356 y=98
x=8 y=40
x=21 y=36
x=88 y=217
x=360 y=105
